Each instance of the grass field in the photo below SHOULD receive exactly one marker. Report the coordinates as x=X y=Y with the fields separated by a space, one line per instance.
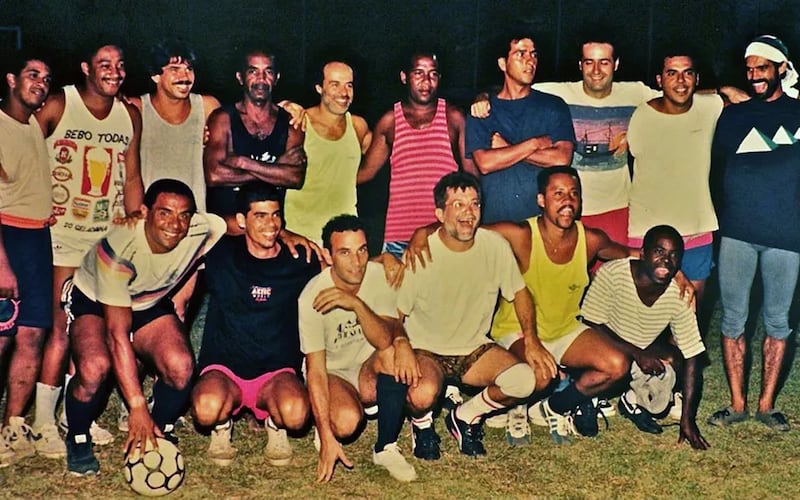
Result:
x=745 y=461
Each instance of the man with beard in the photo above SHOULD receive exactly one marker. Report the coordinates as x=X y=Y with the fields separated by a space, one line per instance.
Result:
x=423 y=138
x=334 y=143
x=633 y=301
x=26 y=280
x=756 y=158
x=251 y=140
x=527 y=131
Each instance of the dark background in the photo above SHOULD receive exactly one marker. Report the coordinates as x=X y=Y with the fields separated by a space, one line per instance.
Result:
x=377 y=36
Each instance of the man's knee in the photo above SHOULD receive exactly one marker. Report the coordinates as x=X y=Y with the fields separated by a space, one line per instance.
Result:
x=208 y=407
x=178 y=370
x=93 y=371
x=345 y=420
x=517 y=381
x=424 y=396
x=29 y=342
x=616 y=365
x=294 y=411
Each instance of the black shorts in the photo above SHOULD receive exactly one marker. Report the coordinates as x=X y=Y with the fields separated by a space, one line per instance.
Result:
x=77 y=304
x=31 y=258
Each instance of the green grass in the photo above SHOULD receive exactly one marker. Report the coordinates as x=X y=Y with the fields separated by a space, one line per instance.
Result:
x=745 y=461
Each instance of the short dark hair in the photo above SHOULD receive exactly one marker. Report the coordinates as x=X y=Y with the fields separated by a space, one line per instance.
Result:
x=675 y=50
x=254 y=192
x=16 y=62
x=167 y=50
x=454 y=180
x=543 y=179
x=90 y=50
x=251 y=51
x=172 y=186
x=415 y=55
x=595 y=35
x=340 y=224
x=502 y=44
x=663 y=230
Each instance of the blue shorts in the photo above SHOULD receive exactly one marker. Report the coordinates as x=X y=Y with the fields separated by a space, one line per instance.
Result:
x=31 y=258
x=395 y=248
x=77 y=304
x=697 y=262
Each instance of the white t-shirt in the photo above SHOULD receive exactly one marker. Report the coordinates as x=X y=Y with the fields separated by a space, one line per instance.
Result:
x=612 y=300
x=600 y=132
x=338 y=332
x=671 y=168
x=121 y=270
x=449 y=304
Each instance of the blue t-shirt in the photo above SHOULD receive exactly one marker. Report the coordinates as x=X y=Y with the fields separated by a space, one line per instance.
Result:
x=757 y=154
x=510 y=193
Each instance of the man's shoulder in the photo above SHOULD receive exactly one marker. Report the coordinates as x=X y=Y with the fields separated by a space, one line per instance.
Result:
x=315 y=285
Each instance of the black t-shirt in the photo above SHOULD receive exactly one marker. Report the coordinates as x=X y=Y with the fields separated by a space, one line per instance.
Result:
x=251 y=325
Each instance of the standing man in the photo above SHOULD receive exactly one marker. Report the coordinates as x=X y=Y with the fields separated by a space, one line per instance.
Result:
x=120 y=316
x=250 y=356
x=26 y=258
x=670 y=138
x=334 y=143
x=632 y=301
x=349 y=334
x=527 y=130
x=251 y=140
x=757 y=157
x=93 y=143
x=448 y=307
x=423 y=138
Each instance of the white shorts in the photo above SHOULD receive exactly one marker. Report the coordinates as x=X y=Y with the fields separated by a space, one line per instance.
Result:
x=69 y=252
x=555 y=347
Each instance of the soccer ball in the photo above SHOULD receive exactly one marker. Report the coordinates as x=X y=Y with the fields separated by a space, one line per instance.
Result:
x=155 y=473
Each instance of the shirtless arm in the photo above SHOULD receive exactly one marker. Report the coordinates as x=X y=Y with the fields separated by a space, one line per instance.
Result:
x=379 y=149
x=456 y=126
x=599 y=245
x=49 y=115
x=133 y=195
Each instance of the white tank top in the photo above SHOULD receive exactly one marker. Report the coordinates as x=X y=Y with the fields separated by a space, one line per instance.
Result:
x=174 y=151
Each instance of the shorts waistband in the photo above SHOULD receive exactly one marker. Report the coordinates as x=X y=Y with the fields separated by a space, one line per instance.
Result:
x=23 y=222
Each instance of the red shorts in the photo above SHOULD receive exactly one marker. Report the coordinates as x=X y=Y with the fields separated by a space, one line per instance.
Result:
x=614 y=223
x=250 y=388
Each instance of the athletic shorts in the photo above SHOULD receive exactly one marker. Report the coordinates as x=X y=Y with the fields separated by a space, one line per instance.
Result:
x=69 y=252
x=555 y=347
x=454 y=367
x=348 y=375
x=395 y=248
x=697 y=262
x=77 y=304
x=249 y=387
x=30 y=257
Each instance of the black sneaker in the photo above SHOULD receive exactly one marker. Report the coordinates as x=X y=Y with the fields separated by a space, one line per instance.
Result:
x=642 y=418
x=425 y=442
x=469 y=436
x=584 y=418
x=169 y=433
x=81 y=461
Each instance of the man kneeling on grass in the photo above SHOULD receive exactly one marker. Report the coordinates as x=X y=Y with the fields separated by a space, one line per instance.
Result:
x=633 y=301
x=351 y=335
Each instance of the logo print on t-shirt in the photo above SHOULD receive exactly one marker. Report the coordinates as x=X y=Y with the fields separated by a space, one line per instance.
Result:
x=260 y=293
x=757 y=142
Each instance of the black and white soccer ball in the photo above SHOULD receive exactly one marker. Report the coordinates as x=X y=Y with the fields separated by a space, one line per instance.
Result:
x=155 y=473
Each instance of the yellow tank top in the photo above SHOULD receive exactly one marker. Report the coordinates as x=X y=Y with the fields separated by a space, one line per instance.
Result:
x=557 y=290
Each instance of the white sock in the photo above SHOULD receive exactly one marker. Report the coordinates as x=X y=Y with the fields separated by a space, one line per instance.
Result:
x=270 y=424
x=46 y=402
x=423 y=422
x=476 y=407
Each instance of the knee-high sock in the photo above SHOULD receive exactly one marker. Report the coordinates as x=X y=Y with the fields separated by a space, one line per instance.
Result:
x=168 y=403
x=391 y=399
x=46 y=401
x=81 y=414
x=566 y=400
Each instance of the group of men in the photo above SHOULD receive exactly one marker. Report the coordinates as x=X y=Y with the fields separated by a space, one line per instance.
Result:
x=247 y=192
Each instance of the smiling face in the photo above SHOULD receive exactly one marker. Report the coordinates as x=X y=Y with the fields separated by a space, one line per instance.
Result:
x=520 y=64
x=336 y=91
x=349 y=256
x=262 y=224
x=679 y=80
x=597 y=66
x=176 y=79
x=422 y=80
x=561 y=201
x=662 y=260
x=259 y=78
x=460 y=216
x=167 y=222
x=32 y=85
x=105 y=73
x=764 y=78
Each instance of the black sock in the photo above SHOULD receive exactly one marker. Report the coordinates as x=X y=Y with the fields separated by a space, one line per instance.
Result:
x=391 y=399
x=81 y=414
x=168 y=403
x=566 y=400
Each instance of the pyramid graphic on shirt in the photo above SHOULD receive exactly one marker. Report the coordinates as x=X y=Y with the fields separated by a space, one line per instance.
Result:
x=783 y=137
x=797 y=134
x=756 y=142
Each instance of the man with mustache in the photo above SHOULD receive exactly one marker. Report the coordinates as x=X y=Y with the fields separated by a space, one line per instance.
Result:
x=93 y=141
x=251 y=140
x=756 y=158
x=526 y=132
x=633 y=301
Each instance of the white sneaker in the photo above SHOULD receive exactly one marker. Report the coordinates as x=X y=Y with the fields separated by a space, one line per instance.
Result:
x=20 y=437
x=48 y=442
x=220 y=450
x=452 y=397
x=122 y=419
x=393 y=461
x=100 y=436
x=605 y=407
x=560 y=426
x=535 y=415
x=7 y=455
x=676 y=412
x=497 y=421
x=518 y=431
x=278 y=450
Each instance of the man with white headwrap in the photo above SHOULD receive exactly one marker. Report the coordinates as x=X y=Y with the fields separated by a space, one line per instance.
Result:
x=756 y=160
